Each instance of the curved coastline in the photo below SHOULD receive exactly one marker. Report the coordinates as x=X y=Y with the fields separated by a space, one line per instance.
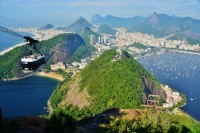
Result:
x=17 y=78
x=36 y=35
x=11 y=48
x=186 y=52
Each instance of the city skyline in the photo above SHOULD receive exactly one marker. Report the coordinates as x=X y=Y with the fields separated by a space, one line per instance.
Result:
x=63 y=12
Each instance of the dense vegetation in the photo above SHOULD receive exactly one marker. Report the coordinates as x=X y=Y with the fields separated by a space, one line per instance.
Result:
x=10 y=62
x=149 y=121
x=138 y=45
x=114 y=84
x=58 y=122
x=71 y=47
x=109 y=83
x=152 y=121
x=60 y=91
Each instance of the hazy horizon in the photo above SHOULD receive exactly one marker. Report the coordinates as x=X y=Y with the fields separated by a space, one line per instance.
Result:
x=34 y=13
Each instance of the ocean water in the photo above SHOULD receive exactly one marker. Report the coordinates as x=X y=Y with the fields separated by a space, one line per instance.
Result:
x=26 y=97
x=181 y=72
x=7 y=40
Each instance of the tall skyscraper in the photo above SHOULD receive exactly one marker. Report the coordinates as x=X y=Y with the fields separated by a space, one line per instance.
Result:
x=92 y=40
x=100 y=40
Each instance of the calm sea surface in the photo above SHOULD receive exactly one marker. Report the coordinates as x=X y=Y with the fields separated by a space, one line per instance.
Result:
x=181 y=72
x=7 y=40
x=26 y=96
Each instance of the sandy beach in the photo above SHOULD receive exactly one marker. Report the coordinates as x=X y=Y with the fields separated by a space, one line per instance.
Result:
x=51 y=75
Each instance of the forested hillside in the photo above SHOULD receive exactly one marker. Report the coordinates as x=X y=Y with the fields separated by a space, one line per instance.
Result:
x=105 y=83
x=64 y=47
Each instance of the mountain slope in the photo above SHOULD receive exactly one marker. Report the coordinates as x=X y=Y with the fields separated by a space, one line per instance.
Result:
x=86 y=32
x=63 y=48
x=160 y=25
x=107 y=29
x=115 y=22
x=103 y=84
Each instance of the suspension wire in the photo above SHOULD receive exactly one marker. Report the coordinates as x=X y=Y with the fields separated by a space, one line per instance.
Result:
x=29 y=88
x=10 y=37
x=17 y=34
x=13 y=83
x=11 y=21
x=3 y=29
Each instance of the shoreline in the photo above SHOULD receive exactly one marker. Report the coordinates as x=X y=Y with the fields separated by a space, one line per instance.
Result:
x=186 y=52
x=36 y=36
x=42 y=74
x=12 y=47
x=18 y=78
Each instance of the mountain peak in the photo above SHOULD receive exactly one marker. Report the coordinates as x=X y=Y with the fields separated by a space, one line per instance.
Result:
x=81 y=19
x=155 y=13
x=154 y=18
x=80 y=24
x=97 y=15
x=96 y=18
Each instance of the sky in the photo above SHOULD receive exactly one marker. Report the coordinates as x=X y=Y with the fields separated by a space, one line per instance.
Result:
x=34 y=13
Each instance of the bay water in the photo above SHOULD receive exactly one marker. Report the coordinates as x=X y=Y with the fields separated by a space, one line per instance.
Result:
x=7 y=40
x=26 y=97
x=181 y=72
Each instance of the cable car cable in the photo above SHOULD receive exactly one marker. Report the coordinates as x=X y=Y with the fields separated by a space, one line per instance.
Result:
x=30 y=88
x=10 y=37
x=28 y=39
x=9 y=20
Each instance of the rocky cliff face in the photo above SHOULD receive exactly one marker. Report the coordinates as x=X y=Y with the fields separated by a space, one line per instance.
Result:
x=151 y=88
x=64 y=48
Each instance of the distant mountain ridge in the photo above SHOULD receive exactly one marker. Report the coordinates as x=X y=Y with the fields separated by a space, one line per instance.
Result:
x=46 y=27
x=160 y=25
x=113 y=21
x=77 y=26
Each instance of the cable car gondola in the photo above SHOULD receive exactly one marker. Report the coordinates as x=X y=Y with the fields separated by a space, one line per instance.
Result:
x=32 y=61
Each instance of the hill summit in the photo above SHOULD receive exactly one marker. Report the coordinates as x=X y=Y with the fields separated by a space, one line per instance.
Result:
x=114 y=80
